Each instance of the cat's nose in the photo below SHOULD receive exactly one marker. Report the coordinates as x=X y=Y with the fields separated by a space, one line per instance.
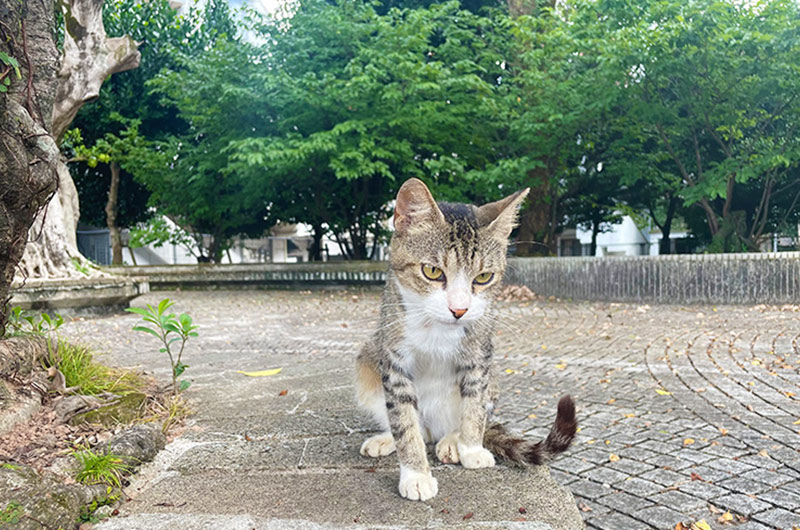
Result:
x=458 y=313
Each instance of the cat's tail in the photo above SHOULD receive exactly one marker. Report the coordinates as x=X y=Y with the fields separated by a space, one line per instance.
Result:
x=525 y=452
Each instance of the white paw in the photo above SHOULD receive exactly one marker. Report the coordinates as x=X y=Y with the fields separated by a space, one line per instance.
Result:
x=416 y=486
x=378 y=445
x=447 y=449
x=474 y=457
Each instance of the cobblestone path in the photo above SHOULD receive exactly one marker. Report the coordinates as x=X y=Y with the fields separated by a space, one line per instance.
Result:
x=686 y=412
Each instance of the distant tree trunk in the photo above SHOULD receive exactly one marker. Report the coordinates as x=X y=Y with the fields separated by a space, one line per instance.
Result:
x=89 y=58
x=111 y=216
x=595 y=232
x=535 y=236
x=316 y=245
x=664 y=246
x=29 y=155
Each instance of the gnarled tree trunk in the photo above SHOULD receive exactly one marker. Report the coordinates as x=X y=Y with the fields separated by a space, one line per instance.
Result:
x=111 y=216
x=89 y=57
x=28 y=153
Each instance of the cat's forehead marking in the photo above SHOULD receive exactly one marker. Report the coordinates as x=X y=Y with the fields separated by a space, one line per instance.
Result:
x=463 y=233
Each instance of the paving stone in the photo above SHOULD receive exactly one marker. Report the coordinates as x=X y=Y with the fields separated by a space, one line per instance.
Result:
x=664 y=477
x=589 y=489
x=702 y=490
x=670 y=462
x=605 y=475
x=660 y=517
x=679 y=501
x=640 y=487
x=624 y=502
x=743 y=485
x=742 y=504
x=630 y=466
x=615 y=521
x=779 y=518
x=782 y=498
x=572 y=464
x=773 y=478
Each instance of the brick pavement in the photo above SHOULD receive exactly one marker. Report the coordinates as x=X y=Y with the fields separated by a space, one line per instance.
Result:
x=699 y=404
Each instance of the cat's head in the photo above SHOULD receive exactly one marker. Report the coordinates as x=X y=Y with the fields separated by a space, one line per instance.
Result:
x=450 y=258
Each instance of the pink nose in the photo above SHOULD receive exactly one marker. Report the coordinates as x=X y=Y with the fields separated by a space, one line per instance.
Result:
x=458 y=313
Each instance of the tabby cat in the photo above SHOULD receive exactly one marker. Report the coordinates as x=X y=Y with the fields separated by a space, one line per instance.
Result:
x=425 y=373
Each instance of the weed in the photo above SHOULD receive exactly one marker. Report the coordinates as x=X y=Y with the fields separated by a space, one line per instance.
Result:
x=169 y=329
x=169 y=410
x=12 y=513
x=80 y=370
x=22 y=322
x=99 y=468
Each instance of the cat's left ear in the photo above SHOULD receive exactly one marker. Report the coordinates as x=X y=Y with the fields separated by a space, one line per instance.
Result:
x=500 y=217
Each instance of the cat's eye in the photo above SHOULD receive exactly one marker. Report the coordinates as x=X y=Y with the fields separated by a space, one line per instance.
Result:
x=432 y=273
x=483 y=278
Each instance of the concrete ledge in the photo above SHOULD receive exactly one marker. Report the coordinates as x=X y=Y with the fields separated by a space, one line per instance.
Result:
x=248 y=276
x=95 y=295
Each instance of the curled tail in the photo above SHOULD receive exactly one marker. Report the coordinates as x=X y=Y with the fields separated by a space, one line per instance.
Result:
x=525 y=452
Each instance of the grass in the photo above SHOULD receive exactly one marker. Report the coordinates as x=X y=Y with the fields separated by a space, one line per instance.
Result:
x=169 y=410
x=99 y=468
x=77 y=363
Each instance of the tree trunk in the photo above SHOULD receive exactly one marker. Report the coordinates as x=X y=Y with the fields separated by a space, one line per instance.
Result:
x=535 y=230
x=111 y=216
x=29 y=155
x=89 y=57
x=316 y=246
x=664 y=246
x=595 y=232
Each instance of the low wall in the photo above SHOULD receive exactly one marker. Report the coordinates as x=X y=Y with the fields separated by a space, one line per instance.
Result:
x=255 y=275
x=768 y=278
x=95 y=295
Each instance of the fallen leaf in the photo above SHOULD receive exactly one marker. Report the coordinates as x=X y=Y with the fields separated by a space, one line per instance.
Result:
x=613 y=458
x=723 y=430
x=688 y=441
x=610 y=401
x=532 y=416
x=283 y=392
x=788 y=394
x=510 y=371
x=523 y=510
x=763 y=453
x=796 y=422
x=700 y=525
x=681 y=526
x=695 y=476
x=631 y=415
x=469 y=516
x=726 y=517
x=663 y=392
x=445 y=510
x=561 y=366
x=583 y=507
x=261 y=373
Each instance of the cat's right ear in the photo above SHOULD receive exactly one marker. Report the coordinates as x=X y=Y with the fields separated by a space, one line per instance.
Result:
x=414 y=204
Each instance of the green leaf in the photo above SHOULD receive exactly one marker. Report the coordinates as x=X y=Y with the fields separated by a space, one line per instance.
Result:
x=147 y=330
x=184 y=385
x=163 y=305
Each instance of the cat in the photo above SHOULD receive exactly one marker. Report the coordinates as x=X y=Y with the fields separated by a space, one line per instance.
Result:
x=425 y=373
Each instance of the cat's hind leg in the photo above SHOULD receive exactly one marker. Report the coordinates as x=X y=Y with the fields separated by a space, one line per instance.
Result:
x=369 y=391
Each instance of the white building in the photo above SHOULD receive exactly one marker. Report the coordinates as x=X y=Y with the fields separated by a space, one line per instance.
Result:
x=623 y=239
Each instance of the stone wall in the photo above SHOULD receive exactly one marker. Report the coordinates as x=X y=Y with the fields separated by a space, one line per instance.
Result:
x=770 y=278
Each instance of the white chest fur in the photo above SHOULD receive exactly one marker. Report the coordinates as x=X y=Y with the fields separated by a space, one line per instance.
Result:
x=430 y=354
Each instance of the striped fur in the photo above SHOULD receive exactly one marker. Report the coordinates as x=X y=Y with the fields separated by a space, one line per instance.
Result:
x=524 y=452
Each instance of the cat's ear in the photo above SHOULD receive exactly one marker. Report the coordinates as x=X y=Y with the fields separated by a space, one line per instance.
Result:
x=500 y=217
x=414 y=203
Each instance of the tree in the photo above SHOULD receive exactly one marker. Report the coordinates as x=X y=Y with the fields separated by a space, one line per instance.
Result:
x=28 y=153
x=711 y=87
x=358 y=102
x=161 y=34
x=88 y=58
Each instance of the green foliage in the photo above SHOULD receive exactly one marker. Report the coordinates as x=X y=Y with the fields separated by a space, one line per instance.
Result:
x=8 y=64
x=80 y=370
x=99 y=468
x=12 y=513
x=169 y=329
x=22 y=322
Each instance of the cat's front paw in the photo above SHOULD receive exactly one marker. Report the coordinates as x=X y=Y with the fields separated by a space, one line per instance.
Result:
x=416 y=486
x=474 y=457
x=447 y=449
x=378 y=445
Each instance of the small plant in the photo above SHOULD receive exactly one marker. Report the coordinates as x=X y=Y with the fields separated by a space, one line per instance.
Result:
x=12 y=513
x=88 y=514
x=169 y=329
x=76 y=363
x=99 y=468
x=21 y=322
